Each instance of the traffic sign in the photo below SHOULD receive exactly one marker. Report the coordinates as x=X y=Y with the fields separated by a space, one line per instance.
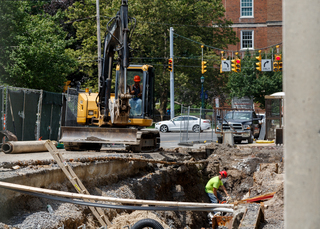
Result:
x=266 y=65
x=226 y=65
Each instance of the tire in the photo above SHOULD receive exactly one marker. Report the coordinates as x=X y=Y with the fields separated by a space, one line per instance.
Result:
x=220 y=140
x=196 y=128
x=250 y=139
x=164 y=128
x=237 y=141
x=150 y=223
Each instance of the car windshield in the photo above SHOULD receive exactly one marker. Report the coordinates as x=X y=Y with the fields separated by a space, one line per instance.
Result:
x=238 y=116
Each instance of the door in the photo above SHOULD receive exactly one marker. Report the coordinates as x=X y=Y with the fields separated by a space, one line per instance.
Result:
x=176 y=123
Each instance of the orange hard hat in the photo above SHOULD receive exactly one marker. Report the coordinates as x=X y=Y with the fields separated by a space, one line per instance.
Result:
x=136 y=78
x=223 y=174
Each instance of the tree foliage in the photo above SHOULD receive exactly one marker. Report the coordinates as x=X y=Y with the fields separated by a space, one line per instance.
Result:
x=35 y=49
x=252 y=83
x=150 y=42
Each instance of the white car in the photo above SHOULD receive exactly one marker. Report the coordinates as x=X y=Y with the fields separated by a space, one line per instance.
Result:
x=183 y=123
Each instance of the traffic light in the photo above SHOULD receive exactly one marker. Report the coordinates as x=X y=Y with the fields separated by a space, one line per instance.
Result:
x=275 y=66
x=259 y=63
x=277 y=57
x=203 y=66
x=236 y=65
x=280 y=66
x=277 y=63
x=170 y=63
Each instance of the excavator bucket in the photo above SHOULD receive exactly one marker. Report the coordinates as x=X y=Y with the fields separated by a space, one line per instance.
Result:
x=92 y=138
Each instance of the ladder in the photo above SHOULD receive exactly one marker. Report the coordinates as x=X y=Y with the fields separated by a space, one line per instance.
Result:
x=76 y=182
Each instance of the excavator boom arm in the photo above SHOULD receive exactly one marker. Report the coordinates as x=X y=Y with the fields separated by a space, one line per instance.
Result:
x=116 y=40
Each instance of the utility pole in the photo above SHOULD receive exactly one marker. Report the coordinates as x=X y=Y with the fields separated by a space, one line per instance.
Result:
x=171 y=76
x=99 y=41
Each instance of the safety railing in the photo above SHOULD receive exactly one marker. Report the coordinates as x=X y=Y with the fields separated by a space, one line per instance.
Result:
x=197 y=125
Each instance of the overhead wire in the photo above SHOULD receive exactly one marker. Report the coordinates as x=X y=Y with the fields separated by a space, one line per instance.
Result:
x=219 y=49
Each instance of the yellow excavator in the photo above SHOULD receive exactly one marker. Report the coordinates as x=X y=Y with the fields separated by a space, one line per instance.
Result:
x=118 y=117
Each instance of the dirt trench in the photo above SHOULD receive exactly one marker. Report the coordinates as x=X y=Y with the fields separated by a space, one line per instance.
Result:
x=251 y=172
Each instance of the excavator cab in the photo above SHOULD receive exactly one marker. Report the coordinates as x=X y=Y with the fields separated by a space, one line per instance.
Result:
x=141 y=107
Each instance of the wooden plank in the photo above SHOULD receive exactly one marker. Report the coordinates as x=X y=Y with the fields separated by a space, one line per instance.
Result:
x=76 y=182
x=252 y=217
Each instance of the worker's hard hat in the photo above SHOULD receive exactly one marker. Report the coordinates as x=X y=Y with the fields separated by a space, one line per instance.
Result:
x=136 y=78
x=223 y=174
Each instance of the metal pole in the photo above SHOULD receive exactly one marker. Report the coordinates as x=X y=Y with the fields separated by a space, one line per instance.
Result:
x=202 y=96
x=99 y=41
x=201 y=109
x=188 y=124
x=202 y=92
x=213 y=114
x=171 y=76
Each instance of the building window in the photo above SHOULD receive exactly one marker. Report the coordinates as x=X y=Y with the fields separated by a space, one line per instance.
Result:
x=247 y=40
x=246 y=7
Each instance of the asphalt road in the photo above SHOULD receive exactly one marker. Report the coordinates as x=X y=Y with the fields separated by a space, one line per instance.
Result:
x=171 y=139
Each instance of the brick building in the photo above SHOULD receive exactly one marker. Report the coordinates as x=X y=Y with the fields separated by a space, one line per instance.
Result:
x=257 y=23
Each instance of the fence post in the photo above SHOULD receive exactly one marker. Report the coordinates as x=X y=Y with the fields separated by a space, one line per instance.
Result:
x=2 y=110
x=39 y=115
x=23 y=114
x=188 y=124
x=200 y=122
x=213 y=114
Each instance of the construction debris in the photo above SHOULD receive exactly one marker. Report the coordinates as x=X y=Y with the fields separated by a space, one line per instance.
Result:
x=177 y=175
x=252 y=217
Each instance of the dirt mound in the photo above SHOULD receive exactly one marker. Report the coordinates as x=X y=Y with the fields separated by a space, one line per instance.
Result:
x=266 y=180
x=274 y=208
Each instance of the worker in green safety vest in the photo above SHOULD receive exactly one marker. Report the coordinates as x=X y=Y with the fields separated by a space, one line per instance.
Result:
x=211 y=189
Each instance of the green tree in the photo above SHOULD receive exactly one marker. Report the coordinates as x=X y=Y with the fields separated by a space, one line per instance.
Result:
x=200 y=21
x=35 y=50
x=252 y=83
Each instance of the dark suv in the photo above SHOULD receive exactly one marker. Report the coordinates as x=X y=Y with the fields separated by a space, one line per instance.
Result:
x=244 y=124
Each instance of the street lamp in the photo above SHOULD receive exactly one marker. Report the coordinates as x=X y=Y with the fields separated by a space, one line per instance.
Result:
x=202 y=92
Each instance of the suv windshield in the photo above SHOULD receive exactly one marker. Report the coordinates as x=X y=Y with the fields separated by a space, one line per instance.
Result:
x=238 y=115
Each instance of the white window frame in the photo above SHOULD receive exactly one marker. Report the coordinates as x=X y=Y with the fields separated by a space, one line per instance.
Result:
x=241 y=39
x=246 y=7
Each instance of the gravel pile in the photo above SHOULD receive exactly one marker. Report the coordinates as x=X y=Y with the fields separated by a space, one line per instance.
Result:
x=64 y=214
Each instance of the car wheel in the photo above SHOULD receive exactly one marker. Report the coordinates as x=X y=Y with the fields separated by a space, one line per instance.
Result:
x=220 y=140
x=250 y=139
x=196 y=128
x=164 y=128
x=237 y=141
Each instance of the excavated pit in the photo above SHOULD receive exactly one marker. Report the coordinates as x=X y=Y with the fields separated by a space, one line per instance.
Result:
x=177 y=175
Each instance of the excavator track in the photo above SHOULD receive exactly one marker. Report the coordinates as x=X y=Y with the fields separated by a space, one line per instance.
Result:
x=92 y=138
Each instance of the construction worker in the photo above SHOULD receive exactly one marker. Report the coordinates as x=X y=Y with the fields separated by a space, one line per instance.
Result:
x=211 y=189
x=136 y=91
